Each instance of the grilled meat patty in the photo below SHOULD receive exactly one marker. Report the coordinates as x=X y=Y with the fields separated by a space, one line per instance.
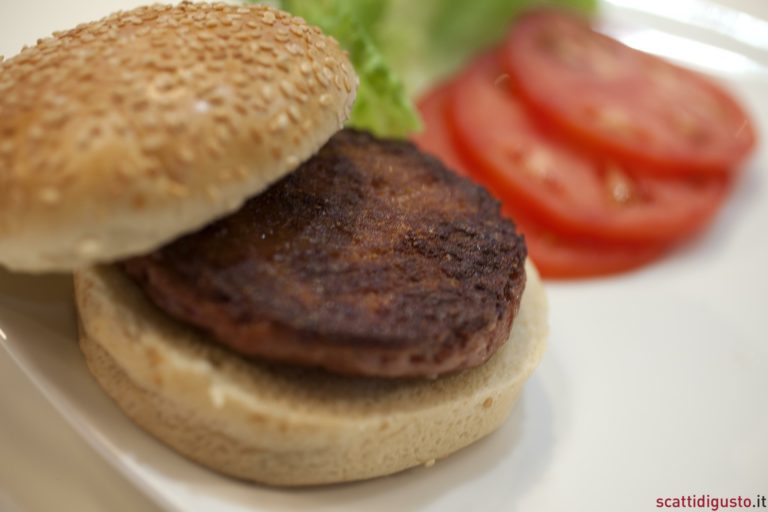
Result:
x=370 y=259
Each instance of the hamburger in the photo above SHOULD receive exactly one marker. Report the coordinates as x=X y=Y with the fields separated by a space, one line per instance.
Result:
x=273 y=296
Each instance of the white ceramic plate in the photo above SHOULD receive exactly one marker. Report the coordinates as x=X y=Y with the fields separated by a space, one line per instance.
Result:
x=654 y=384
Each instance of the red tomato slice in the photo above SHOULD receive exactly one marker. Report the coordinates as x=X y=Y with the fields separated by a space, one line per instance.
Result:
x=556 y=186
x=555 y=256
x=623 y=103
x=435 y=137
x=558 y=257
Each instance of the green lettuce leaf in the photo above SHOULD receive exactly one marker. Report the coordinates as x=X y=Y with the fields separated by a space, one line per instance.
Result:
x=383 y=105
x=401 y=47
x=427 y=40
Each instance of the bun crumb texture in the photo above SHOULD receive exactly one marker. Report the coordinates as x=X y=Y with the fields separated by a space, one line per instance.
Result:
x=284 y=425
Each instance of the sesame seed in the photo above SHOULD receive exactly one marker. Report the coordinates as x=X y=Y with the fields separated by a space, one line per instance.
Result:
x=35 y=132
x=265 y=60
x=279 y=122
x=202 y=106
x=283 y=62
x=268 y=17
x=49 y=195
x=293 y=113
x=186 y=155
x=322 y=77
x=267 y=92
x=287 y=88
x=239 y=79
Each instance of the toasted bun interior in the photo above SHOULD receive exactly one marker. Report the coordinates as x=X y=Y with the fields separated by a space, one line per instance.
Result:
x=122 y=134
x=282 y=425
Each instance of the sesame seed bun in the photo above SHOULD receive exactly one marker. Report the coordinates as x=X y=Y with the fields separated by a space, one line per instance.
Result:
x=122 y=134
x=289 y=426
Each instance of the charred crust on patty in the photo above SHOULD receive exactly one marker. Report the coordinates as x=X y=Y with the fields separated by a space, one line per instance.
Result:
x=370 y=259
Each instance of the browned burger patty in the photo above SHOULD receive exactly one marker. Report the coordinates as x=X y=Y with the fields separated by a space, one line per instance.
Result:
x=370 y=259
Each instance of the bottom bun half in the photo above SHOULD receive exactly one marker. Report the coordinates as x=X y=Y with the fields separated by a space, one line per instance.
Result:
x=283 y=425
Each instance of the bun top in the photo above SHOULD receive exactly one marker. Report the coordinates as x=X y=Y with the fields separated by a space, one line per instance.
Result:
x=122 y=134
